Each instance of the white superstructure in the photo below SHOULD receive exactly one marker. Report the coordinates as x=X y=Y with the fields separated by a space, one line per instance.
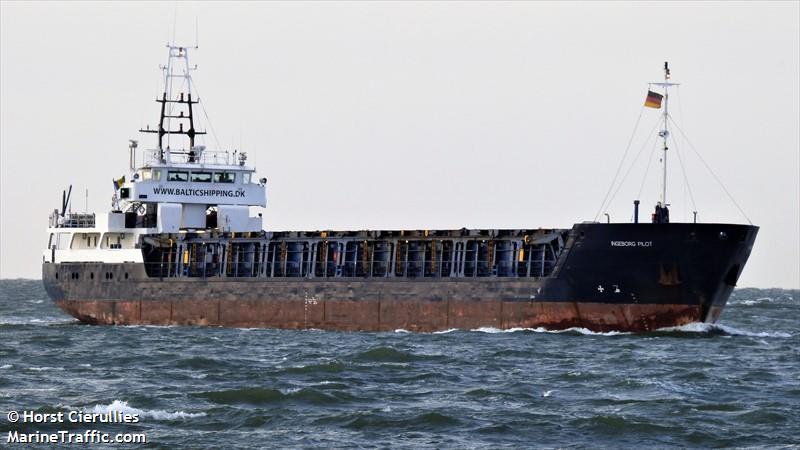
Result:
x=173 y=190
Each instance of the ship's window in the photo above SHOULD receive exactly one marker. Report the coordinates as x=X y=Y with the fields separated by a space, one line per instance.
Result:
x=245 y=178
x=224 y=177
x=91 y=275
x=63 y=240
x=56 y=275
x=201 y=177
x=177 y=176
x=126 y=275
x=156 y=175
x=146 y=175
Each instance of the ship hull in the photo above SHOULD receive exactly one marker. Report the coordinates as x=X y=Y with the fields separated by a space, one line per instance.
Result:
x=610 y=277
x=383 y=315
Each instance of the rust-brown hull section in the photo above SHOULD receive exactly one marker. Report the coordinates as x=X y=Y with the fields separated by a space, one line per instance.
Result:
x=377 y=315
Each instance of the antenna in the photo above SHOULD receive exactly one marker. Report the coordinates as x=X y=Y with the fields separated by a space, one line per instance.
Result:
x=65 y=200
x=132 y=144
x=174 y=21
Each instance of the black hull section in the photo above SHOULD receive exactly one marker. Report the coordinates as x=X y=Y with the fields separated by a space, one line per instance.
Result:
x=676 y=263
x=609 y=277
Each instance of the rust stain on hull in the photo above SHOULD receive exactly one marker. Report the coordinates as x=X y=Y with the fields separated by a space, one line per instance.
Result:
x=376 y=315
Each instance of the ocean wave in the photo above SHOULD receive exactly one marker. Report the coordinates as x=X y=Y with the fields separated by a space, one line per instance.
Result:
x=263 y=396
x=575 y=330
x=322 y=367
x=449 y=330
x=716 y=328
x=428 y=420
x=200 y=363
x=391 y=355
x=36 y=321
x=757 y=301
x=157 y=414
x=781 y=299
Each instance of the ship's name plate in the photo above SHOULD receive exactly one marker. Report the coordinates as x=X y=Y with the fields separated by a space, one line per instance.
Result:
x=631 y=243
x=238 y=193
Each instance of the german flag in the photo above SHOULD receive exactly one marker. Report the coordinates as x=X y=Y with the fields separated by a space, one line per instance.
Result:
x=653 y=100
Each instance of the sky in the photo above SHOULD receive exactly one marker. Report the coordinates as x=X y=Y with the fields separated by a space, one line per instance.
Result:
x=418 y=115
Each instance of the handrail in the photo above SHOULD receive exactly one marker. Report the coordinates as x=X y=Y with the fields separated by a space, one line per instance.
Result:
x=73 y=220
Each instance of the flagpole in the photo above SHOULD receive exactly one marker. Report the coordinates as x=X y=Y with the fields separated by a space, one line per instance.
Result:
x=664 y=135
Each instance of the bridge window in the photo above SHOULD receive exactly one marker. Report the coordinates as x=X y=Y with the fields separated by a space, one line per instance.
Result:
x=245 y=178
x=224 y=177
x=156 y=175
x=201 y=177
x=177 y=176
x=146 y=175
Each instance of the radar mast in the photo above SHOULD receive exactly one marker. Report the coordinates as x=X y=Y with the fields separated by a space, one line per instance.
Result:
x=177 y=70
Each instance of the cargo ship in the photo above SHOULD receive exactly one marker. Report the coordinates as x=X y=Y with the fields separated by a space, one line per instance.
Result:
x=180 y=246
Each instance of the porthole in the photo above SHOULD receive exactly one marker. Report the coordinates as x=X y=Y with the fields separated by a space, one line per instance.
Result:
x=111 y=275
x=91 y=275
x=126 y=275
x=56 y=276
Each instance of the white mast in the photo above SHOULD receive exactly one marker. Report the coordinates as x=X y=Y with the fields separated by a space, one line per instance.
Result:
x=664 y=133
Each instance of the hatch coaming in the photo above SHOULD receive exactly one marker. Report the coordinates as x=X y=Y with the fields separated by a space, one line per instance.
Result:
x=363 y=254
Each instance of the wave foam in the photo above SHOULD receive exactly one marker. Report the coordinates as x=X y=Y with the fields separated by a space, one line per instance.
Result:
x=758 y=301
x=449 y=330
x=700 y=327
x=158 y=414
x=579 y=330
x=35 y=321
